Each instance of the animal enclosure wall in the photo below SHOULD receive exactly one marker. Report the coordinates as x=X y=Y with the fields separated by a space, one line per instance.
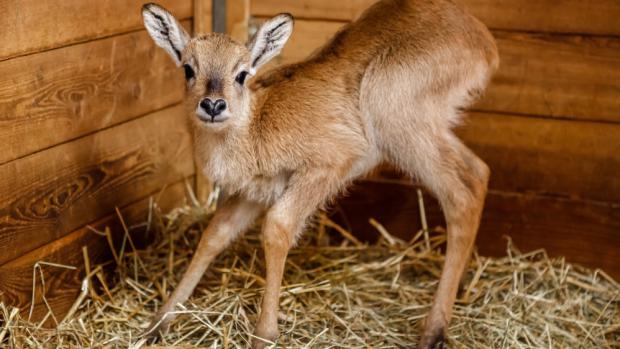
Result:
x=548 y=126
x=89 y=122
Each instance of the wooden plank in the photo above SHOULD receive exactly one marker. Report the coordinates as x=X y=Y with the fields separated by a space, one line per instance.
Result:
x=585 y=232
x=560 y=76
x=237 y=19
x=598 y=17
x=33 y=25
x=51 y=193
x=219 y=16
x=63 y=285
x=560 y=157
x=203 y=19
x=59 y=95
x=566 y=16
x=342 y=10
x=543 y=75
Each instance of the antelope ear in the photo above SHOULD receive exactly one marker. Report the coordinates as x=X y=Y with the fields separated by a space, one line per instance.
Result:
x=270 y=39
x=165 y=30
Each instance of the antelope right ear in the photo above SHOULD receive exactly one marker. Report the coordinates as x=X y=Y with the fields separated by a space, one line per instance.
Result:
x=165 y=30
x=270 y=39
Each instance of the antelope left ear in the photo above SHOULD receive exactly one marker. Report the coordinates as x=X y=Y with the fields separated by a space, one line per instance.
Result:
x=165 y=30
x=270 y=39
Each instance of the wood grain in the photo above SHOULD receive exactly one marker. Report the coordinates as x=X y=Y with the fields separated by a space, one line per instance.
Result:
x=33 y=25
x=48 y=194
x=237 y=19
x=559 y=157
x=343 y=10
x=598 y=17
x=63 y=285
x=59 y=95
x=203 y=21
x=572 y=77
x=567 y=16
x=582 y=231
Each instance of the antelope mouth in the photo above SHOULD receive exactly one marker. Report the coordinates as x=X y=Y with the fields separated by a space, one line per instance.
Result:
x=208 y=119
x=212 y=119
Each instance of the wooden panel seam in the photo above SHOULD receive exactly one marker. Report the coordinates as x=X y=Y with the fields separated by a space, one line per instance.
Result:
x=539 y=116
x=63 y=285
x=69 y=35
x=93 y=132
x=142 y=200
x=90 y=175
x=59 y=95
x=81 y=42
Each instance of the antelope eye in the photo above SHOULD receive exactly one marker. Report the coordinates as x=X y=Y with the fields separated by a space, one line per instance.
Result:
x=241 y=77
x=189 y=72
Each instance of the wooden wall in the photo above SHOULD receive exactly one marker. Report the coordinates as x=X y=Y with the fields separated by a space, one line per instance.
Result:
x=89 y=120
x=549 y=126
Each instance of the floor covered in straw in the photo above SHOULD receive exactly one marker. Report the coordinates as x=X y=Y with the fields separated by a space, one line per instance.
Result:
x=337 y=293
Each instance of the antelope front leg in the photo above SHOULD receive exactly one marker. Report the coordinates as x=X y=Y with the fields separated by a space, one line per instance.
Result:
x=234 y=217
x=283 y=223
x=277 y=240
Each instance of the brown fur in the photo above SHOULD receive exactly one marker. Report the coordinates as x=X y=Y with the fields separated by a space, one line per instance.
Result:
x=388 y=87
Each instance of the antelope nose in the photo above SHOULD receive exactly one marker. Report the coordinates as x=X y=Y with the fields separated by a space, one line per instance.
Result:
x=213 y=108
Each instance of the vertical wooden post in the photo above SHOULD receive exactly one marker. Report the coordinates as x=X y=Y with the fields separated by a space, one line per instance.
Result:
x=237 y=19
x=203 y=20
x=219 y=15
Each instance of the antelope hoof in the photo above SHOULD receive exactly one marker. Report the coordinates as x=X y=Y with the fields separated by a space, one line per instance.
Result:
x=269 y=337
x=437 y=340
x=261 y=344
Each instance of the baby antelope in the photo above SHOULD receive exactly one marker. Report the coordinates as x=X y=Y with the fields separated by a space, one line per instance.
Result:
x=387 y=88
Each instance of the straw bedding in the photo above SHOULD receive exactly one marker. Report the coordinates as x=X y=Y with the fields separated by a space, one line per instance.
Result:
x=337 y=293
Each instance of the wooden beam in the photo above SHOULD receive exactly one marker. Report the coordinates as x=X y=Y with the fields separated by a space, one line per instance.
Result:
x=585 y=232
x=219 y=16
x=342 y=10
x=33 y=25
x=237 y=19
x=63 y=285
x=567 y=16
x=46 y=195
x=59 y=95
x=203 y=13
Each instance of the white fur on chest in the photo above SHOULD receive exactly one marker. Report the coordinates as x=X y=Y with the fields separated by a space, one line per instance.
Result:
x=236 y=179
